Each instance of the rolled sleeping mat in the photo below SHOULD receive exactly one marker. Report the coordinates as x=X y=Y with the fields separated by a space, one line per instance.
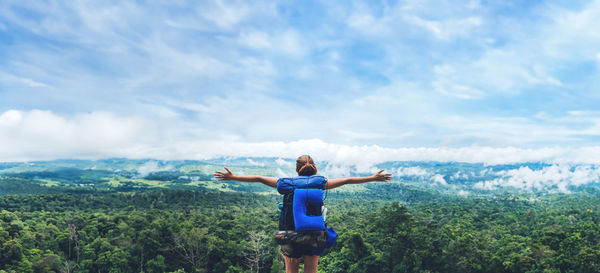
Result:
x=289 y=184
x=302 y=198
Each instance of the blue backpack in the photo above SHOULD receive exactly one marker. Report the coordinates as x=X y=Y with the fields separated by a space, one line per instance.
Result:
x=302 y=203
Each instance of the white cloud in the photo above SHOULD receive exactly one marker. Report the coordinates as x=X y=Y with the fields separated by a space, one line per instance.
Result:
x=397 y=20
x=255 y=39
x=288 y=42
x=281 y=173
x=505 y=71
x=447 y=28
x=38 y=135
x=463 y=193
x=418 y=172
x=369 y=25
x=151 y=167
x=284 y=163
x=410 y=171
x=225 y=14
x=10 y=78
x=254 y=163
x=531 y=57
x=573 y=34
x=438 y=178
x=460 y=175
x=32 y=83
x=292 y=44
x=10 y=118
x=446 y=84
x=557 y=177
x=336 y=170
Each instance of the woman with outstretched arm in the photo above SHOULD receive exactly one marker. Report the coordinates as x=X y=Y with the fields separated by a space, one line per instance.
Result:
x=307 y=170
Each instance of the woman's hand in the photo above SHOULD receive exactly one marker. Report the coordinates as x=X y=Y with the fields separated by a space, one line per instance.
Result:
x=224 y=175
x=379 y=176
x=229 y=176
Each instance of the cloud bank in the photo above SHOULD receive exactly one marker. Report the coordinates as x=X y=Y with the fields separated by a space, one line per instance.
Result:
x=44 y=135
x=555 y=178
x=552 y=177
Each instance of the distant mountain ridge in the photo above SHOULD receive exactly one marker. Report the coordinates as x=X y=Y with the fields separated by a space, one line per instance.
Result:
x=453 y=178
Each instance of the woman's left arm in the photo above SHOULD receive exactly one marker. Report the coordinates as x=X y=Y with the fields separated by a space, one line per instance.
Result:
x=222 y=176
x=338 y=182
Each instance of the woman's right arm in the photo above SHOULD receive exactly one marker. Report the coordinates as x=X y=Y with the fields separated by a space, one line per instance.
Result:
x=338 y=182
x=229 y=176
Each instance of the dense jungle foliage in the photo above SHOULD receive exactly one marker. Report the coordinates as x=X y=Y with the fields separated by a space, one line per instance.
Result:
x=212 y=231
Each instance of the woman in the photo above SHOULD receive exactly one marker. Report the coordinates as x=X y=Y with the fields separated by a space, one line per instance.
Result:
x=305 y=166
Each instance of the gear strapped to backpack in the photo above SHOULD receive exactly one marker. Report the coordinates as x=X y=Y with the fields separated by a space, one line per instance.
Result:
x=301 y=218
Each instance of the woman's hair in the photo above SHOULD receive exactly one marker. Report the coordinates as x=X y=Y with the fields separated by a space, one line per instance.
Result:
x=305 y=166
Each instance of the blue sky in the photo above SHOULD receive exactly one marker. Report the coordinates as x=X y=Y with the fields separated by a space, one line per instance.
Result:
x=173 y=78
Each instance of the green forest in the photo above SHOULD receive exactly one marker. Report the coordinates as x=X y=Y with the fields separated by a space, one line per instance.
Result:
x=190 y=231
x=49 y=225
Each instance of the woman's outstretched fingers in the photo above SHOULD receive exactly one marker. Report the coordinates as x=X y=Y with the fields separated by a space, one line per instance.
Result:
x=223 y=175
x=382 y=177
